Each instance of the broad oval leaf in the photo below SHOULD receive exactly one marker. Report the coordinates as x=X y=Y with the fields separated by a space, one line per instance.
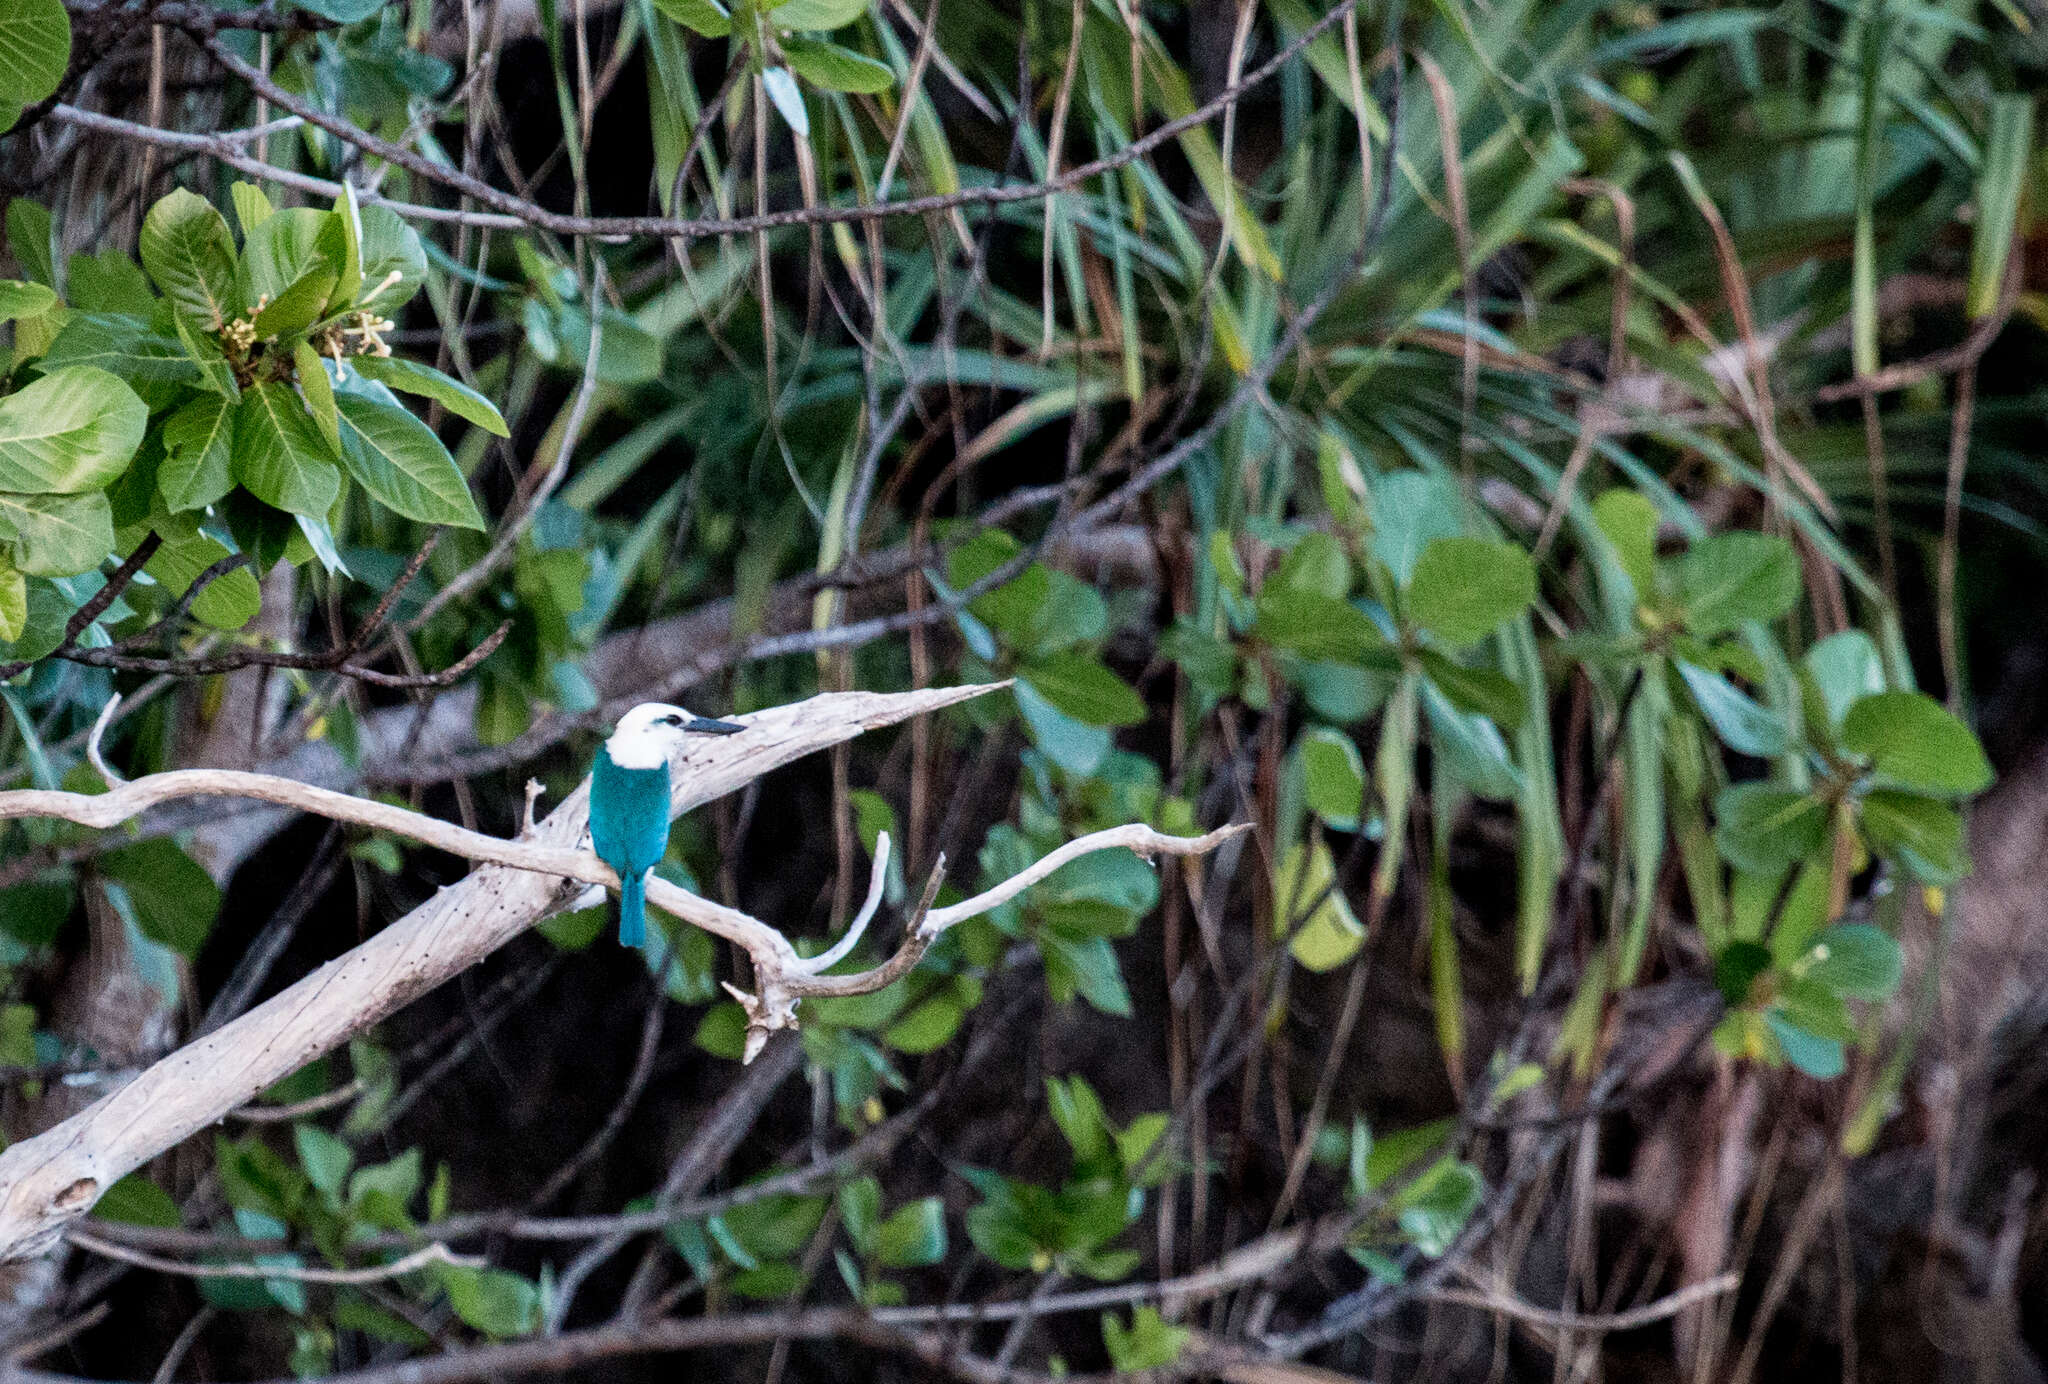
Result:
x=281 y=251
x=1912 y=740
x=403 y=465
x=121 y=345
x=1730 y=578
x=1080 y=687
x=279 y=455
x=1463 y=589
x=190 y=253
x=1764 y=828
x=198 y=442
x=394 y=262
x=1742 y=725
x=1332 y=777
x=20 y=298
x=410 y=377
x=834 y=68
x=228 y=602
x=814 y=14
x=73 y=430
x=35 y=49
x=1856 y=959
x=59 y=535
x=1919 y=833
x=1629 y=523
x=706 y=17
x=1844 y=667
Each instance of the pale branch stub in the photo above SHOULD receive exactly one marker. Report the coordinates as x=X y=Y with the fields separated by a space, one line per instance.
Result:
x=48 y=1182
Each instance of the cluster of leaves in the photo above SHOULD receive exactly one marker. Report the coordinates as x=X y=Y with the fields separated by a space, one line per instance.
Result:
x=217 y=403
x=781 y=43
x=326 y=1208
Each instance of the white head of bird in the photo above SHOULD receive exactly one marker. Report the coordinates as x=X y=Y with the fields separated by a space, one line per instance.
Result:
x=648 y=735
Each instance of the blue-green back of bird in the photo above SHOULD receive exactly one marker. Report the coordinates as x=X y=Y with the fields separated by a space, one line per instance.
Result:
x=629 y=831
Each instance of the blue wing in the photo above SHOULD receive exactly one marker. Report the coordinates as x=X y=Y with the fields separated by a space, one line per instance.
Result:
x=628 y=814
x=629 y=832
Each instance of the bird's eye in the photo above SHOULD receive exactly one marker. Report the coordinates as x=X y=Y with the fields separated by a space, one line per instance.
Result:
x=671 y=720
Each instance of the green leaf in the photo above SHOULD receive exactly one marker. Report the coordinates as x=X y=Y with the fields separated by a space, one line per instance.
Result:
x=229 y=601
x=1813 y=1008
x=1764 y=828
x=409 y=377
x=1845 y=667
x=1742 y=725
x=816 y=14
x=72 y=430
x=931 y=1023
x=1332 y=934
x=1729 y=578
x=1148 y=1343
x=35 y=49
x=1479 y=691
x=1472 y=747
x=394 y=262
x=1820 y=1058
x=297 y=307
x=58 y=535
x=1629 y=522
x=176 y=901
x=197 y=447
x=1912 y=740
x=1411 y=510
x=284 y=250
x=1435 y=1206
x=1859 y=960
x=20 y=298
x=135 y=1200
x=1082 y=688
x=1316 y=563
x=190 y=253
x=317 y=391
x=913 y=1236
x=1923 y=835
x=705 y=17
x=1463 y=589
x=29 y=239
x=279 y=455
x=1332 y=777
x=833 y=68
x=109 y=282
x=347 y=239
x=398 y=460
x=1319 y=627
x=495 y=1302
x=1075 y=746
x=252 y=206
x=122 y=346
x=13 y=601
x=325 y=1158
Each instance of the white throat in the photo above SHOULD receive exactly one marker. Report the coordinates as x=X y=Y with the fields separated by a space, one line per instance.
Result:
x=642 y=748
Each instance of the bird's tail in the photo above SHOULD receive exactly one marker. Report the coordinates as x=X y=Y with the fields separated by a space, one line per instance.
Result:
x=633 y=910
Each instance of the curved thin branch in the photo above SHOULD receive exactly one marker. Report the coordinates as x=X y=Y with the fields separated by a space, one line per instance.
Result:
x=374 y=1273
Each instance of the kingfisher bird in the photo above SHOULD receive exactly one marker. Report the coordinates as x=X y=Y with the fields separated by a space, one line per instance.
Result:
x=629 y=800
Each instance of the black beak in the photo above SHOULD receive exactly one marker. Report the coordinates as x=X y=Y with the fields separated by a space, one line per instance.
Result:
x=704 y=725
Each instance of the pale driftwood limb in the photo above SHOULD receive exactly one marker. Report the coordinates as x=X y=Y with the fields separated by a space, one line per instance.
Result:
x=48 y=1182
